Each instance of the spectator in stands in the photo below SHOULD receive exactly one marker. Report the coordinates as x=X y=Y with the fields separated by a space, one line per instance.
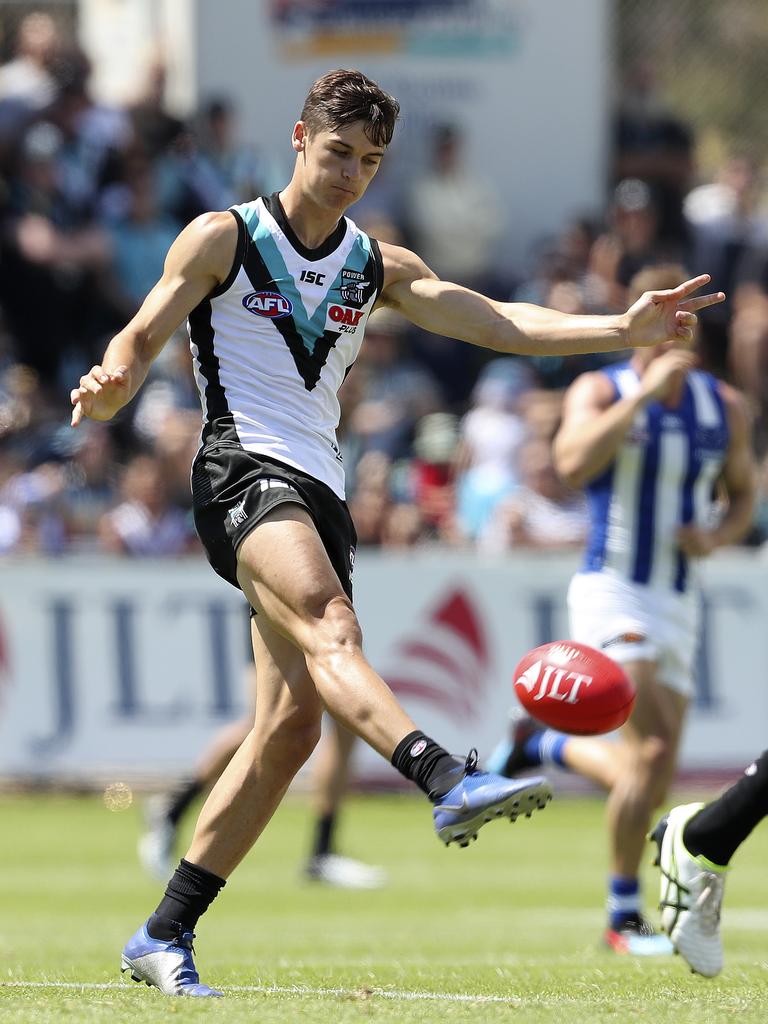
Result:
x=89 y=488
x=27 y=81
x=747 y=356
x=727 y=226
x=146 y=523
x=242 y=171
x=491 y=434
x=542 y=513
x=632 y=240
x=54 y=258
x=432 y=481
x=140 y=239
x=652 y=143
x=450 y=202
x=371 y=501
x=153 y=126
x=396 y=390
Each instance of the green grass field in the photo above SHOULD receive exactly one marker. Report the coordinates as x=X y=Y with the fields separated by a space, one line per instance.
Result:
x=507 y=930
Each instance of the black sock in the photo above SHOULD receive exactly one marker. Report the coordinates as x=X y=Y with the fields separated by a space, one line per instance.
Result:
x=722 y=826
x=424 y=762
x=324 y=830
x=182 y=799
x=190 y=892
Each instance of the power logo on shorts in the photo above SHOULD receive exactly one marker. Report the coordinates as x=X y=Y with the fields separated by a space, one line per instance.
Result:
x=237 y=514
x=272 y=305
x=418 y=748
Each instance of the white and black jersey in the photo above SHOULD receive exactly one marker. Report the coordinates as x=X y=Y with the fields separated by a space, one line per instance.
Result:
x=273 y=343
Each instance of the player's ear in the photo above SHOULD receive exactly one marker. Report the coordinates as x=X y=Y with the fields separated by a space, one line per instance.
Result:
x=299 y=137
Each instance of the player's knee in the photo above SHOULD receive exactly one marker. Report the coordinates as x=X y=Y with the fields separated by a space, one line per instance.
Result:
x=658 y=764
x=336 y=629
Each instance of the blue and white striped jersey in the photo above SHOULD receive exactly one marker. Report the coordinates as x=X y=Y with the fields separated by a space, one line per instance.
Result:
x=663 y=476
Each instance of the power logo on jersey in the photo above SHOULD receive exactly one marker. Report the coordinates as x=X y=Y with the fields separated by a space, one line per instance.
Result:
x=354 y=289
x=272 y=305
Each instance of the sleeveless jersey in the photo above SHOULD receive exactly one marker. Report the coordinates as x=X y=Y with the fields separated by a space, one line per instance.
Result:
x=663 y=476
x=273 y=343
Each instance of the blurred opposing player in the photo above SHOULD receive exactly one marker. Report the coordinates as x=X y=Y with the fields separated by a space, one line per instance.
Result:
x=166 y=811
x=695 y=845
x=652 y=440
x=277 y=293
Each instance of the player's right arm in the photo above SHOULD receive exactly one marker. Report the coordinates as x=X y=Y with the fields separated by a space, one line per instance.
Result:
x=594 y=426
x=199 y=260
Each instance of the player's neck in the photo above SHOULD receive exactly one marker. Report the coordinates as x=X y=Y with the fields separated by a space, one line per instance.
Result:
x=311 y=223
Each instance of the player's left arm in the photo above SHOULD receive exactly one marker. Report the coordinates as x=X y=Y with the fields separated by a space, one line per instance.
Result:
x=738 y=478
x=442 y=307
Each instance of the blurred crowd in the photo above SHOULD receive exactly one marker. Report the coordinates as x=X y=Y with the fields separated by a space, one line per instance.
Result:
x=442 y=442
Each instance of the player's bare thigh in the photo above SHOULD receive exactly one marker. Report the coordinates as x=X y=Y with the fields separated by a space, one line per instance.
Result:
x=659 y=710
x=284 y=571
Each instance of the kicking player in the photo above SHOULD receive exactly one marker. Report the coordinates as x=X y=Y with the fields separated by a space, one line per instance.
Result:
x=695 y=845
x=653 y=441
x=277 y=293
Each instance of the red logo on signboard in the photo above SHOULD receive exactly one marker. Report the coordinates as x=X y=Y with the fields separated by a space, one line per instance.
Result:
x=445 y=661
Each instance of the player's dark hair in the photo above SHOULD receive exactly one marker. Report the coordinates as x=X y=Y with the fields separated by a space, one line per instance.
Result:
x=342 y=97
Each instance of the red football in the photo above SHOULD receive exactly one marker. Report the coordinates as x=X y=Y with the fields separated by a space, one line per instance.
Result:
x=574 y=688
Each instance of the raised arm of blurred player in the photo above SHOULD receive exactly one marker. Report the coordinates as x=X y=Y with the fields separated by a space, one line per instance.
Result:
x=593 y=426
x=412 y=289
x=199 y=260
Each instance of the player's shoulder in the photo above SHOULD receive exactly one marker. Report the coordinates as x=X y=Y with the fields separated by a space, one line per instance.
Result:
x=594 y=387
x=209 y=241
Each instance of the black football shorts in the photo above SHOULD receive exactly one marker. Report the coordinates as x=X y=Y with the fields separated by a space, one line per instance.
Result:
x=233 y=489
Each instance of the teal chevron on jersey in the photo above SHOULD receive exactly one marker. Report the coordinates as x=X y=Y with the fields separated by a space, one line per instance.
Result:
x=310 y=327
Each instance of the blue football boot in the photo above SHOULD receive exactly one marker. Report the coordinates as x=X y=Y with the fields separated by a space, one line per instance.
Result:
x=166 y=964
x=479 y=797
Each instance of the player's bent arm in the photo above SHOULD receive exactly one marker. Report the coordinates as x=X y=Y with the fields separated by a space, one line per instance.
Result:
x=199 y=260
x=453 y=311
x=592 y=428
x=739 y=474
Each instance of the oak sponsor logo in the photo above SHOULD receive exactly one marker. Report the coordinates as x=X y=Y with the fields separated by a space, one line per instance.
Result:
x=343 y=319
x=272 y=305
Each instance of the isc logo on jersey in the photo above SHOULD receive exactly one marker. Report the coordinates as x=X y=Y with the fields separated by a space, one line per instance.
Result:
x=270 y=304
x=343 y=319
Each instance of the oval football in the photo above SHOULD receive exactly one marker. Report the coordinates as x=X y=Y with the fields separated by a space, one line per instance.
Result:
x=574 y=688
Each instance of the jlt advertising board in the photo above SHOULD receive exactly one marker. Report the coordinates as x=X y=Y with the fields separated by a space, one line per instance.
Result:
x=125 y=669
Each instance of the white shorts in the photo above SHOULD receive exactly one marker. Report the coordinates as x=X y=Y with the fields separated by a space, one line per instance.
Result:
x=630 y=621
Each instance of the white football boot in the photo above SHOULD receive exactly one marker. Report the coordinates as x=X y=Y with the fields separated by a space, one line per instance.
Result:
x=691 y=895
x=344 y=872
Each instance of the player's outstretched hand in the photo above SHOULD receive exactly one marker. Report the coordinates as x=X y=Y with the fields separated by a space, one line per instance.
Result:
x=668 y=315
x=100 y=395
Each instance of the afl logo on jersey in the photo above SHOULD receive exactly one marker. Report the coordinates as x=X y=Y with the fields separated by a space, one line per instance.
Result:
x=270 y=304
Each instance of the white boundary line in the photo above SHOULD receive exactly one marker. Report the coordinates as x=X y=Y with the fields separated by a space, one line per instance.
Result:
x=292 y=990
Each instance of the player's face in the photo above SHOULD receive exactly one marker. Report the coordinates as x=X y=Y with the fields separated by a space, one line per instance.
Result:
x=339 y=164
